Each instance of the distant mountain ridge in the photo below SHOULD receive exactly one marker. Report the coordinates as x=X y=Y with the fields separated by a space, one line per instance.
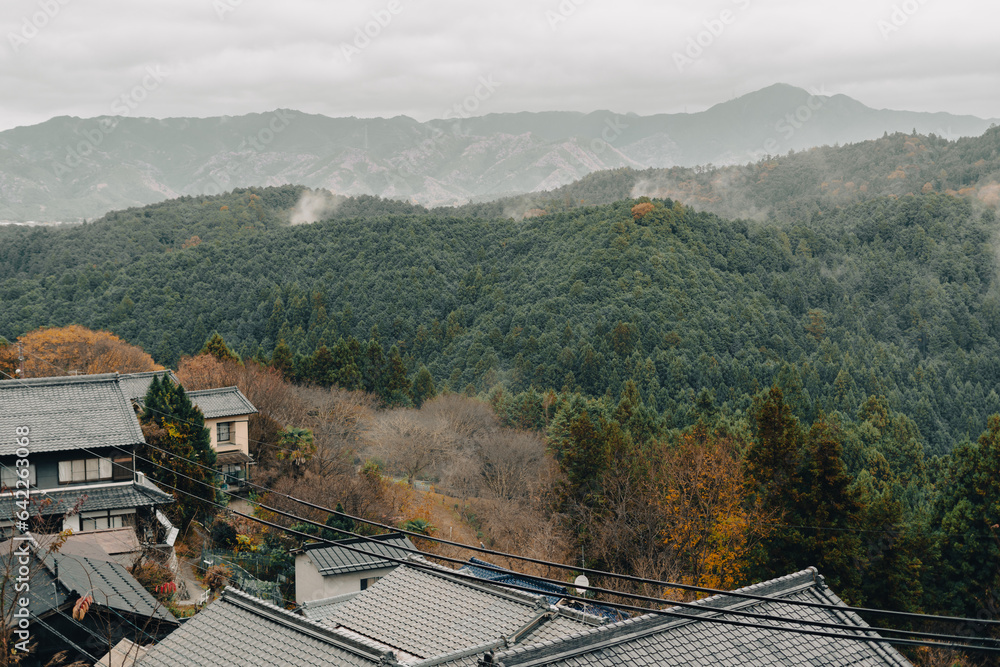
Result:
x=70 y=168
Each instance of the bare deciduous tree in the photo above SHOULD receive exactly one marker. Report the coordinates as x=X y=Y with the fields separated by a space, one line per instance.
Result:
x=410 y=442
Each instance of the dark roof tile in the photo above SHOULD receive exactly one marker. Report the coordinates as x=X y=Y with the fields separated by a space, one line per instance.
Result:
x=660 y=640
x=110 y=497
x=338 y=560
x=428 y=612
x=222 y=402
x=64 y=413
x=238 y=629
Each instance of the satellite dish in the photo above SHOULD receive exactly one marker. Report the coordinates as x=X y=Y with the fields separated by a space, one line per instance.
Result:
x=582 y=580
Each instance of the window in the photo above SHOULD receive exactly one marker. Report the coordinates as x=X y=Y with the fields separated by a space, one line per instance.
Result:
x=8 y=476
x=84 y=470
x=233 y=474
x=121 y=470
x=368 y=583
x=222 y=431
x=107 y=519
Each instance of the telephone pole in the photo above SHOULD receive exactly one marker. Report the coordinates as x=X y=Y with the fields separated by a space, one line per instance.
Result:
x=20 y=359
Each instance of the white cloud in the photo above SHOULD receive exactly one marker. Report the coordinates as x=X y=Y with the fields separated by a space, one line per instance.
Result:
x=427 y=54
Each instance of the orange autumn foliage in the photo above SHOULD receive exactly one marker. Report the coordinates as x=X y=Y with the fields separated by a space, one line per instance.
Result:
x=640 y=210
x=711 y=523
x=74 y=349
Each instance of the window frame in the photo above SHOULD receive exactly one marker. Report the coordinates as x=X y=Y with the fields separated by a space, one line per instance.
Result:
x=9 y=476
x=81 y=471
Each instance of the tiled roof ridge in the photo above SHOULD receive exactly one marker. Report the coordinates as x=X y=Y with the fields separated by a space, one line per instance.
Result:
x=104 y=591
x=847 y=616
x=318 y=631
x=223 y=391
x=335 y=599
x=634 y=628
x=460 y=653
x=61 y=379
x=384 y=538
x=623 y=630
x=574 y=642
x=522 y=597
x=213 y=390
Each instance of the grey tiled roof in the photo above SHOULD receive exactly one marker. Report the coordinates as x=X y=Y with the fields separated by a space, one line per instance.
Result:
x=125 y=496
x=65 y=578
x=428 y=612
x=337 y=560
x=223 y=402
x=241 y=630
x=66 y=413
x=112 y=586
x=317 y=610
x=135 y=385
x=654 y=640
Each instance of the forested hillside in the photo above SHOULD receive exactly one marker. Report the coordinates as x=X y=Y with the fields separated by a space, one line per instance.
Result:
x=790 y=187
x=885 y=297
x=70 y=168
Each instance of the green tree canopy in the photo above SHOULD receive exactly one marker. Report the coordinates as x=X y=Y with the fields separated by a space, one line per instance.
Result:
x=179 y=451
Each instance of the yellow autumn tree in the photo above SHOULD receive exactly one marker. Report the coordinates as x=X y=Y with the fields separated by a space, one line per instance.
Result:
x=74 y=349
x=639 y=211
x=710 y=522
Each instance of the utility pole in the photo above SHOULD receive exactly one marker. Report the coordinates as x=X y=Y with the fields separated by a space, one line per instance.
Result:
x=20 y=359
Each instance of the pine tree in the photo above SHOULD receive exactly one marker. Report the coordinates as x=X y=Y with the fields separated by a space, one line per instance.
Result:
x=830 y=507
x=346 y=360
x=586 y=456
x=374 y=367
x=171 y=423
x=336 y=524
x=397 y=382
x=968 y=513
x=322 y=369
x=423 y=387
x=217 y=347
x=281 y=359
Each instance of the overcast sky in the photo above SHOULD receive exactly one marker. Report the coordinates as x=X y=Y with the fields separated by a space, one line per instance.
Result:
x=165 y=58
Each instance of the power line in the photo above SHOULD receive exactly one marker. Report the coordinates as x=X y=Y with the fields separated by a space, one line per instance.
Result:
x=559 y=583
x=663 y=612
x=600 y=573
x=325 y=460
x=614 y=605
x=629 y=578
x=64 y=638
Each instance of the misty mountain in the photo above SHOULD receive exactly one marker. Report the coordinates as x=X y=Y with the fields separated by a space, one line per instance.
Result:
x=70 y=168
x=792 y=187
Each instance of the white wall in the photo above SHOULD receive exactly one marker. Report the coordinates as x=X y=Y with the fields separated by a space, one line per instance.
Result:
x=311 y=585
x=239 y=434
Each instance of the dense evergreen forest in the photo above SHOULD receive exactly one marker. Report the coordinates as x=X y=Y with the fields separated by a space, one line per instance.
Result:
x=888 y=297
x=791 y=187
